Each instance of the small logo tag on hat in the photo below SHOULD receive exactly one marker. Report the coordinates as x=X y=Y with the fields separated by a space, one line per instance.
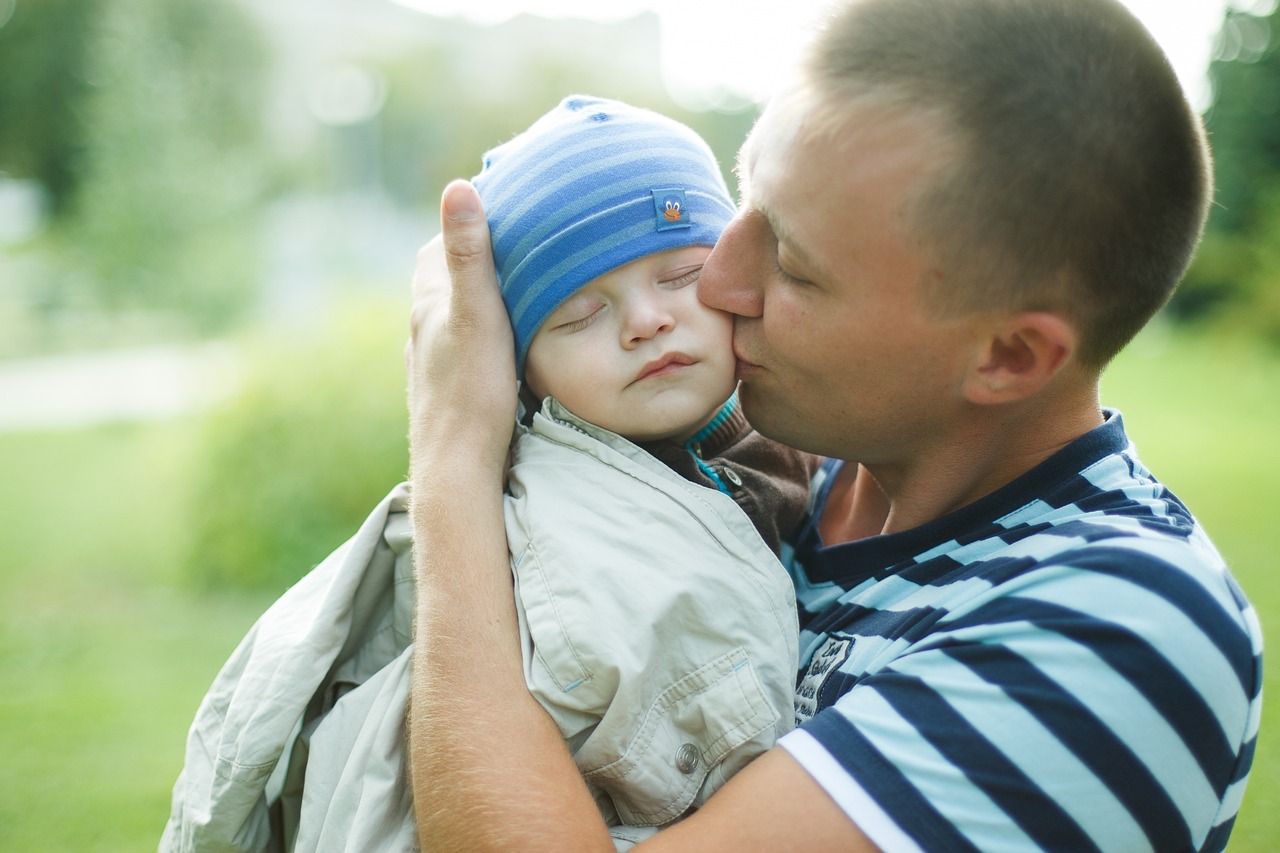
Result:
x=669 y=209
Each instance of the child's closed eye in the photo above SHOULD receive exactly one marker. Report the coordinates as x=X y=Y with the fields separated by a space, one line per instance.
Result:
x=570 y=326
x=684 y=279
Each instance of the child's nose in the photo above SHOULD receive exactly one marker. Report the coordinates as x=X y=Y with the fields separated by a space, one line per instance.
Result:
x=646 y=318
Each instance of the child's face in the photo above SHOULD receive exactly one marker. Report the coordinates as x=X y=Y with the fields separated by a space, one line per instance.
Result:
x=635 y=351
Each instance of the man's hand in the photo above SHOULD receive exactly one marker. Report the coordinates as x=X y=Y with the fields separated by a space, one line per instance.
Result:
x=460 y=357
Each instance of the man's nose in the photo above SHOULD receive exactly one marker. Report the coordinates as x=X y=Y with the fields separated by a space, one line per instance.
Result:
x=730 y=279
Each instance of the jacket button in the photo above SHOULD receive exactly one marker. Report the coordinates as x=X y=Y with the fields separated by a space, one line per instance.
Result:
x=732 y=476
x=687 y=758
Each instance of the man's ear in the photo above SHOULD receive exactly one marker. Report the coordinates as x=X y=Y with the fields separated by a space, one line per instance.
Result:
x=1021 y=355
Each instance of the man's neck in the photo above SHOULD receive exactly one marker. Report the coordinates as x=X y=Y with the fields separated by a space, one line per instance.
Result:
x=993 y=451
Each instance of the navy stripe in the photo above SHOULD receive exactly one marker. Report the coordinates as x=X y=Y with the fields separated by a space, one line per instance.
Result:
x=1183 y=592
x=914 y=814
x=984 y=765
x=1081 y=732
x=1246 y=759
x=1138 y=662
x=1216 y=842
x=933 y=572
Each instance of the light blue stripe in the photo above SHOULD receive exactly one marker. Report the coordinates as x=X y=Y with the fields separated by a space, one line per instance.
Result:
x=1109 y=473
x=958 y=801
x=521 y=197
x=1039 y=754
x=1115 y=701
x=1032 y=513
x=537 y=286
x=545 y=213
x=528 y=157
x=1178 y=639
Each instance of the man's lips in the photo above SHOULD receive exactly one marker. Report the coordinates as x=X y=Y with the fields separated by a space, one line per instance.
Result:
x=667 y=364
x=745 y=366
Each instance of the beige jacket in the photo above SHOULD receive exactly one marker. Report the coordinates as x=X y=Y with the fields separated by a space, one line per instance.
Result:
x=658 y=629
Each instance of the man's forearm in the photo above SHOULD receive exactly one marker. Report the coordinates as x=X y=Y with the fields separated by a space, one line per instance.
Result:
x=490 y=769
x=485 y=756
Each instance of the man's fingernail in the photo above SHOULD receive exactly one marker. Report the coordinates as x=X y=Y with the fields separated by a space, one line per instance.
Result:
x=461 y=203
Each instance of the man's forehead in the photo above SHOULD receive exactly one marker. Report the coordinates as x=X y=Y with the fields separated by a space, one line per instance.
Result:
x=758 y=172
x=760 y=136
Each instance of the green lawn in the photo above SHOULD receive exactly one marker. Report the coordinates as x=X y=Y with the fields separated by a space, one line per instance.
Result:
x=105 y=653
x=1205 y=414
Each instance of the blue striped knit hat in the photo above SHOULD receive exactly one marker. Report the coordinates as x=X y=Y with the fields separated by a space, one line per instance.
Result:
x=589 y=187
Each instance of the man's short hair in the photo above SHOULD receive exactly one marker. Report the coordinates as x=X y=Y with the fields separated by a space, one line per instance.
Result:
x=1081 y=178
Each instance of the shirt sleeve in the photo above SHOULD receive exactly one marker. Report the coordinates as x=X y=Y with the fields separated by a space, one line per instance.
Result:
x=1070 y=707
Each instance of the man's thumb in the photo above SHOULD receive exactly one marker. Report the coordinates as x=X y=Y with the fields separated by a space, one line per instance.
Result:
x=465 y=231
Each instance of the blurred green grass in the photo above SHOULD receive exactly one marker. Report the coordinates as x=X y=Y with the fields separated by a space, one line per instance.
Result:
x=106 y=650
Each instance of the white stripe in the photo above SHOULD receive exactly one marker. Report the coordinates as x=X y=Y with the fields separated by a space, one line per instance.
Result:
x=851 y=797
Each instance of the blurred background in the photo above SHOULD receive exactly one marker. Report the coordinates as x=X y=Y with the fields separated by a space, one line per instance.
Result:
x=208 y=217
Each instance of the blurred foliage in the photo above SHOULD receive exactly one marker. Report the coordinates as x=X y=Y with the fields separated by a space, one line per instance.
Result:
x=287 y=469
x=173 y=169
x=1235 y=278
x=142 y=122
x=432 y=133
x=43 y=48
x=165 y=132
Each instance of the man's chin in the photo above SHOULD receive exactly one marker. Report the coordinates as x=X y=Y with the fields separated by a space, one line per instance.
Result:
x=759 y=410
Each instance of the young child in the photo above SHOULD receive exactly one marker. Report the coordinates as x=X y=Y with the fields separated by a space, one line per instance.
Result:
x=633 y=571
x=601 y=216
x=643 y=517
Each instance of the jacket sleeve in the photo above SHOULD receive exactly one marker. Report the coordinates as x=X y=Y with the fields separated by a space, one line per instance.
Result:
x=248 y=727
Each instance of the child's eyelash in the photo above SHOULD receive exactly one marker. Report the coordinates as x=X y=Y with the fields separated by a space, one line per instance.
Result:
x=581 y=323
x=681 y=280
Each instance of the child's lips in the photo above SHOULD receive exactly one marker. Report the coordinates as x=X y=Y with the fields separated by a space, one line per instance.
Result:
x=664 y=366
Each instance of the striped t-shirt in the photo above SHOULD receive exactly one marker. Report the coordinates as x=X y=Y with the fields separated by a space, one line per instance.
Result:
x=1065 y=664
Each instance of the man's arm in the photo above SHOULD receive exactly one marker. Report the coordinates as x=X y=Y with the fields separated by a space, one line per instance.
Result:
x=475 y=731
x=490 y=769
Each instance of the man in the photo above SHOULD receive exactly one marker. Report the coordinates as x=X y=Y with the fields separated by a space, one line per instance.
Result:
x=1013 y=637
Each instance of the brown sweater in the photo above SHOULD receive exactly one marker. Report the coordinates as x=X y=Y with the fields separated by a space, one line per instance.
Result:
x=770 y=481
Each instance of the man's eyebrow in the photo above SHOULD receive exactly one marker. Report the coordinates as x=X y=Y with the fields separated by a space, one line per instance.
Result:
x=750 y=201
x=741 y=167
x=794 y=248
x=786 y=237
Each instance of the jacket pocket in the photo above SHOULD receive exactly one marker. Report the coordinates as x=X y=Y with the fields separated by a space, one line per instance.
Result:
x=656 y=773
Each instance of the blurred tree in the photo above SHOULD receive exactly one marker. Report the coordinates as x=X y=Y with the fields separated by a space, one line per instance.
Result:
x=173 y=163
x=1236 y=274
x=1244 y=120
x=433 y=131
x=43 y=45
